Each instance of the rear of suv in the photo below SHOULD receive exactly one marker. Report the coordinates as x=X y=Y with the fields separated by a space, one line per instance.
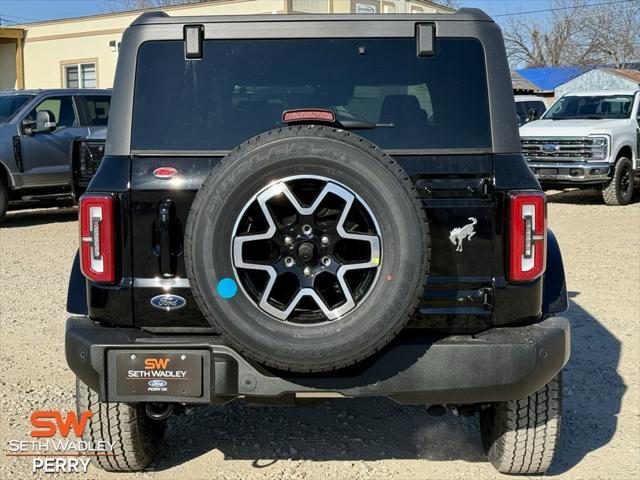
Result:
x=316 y=206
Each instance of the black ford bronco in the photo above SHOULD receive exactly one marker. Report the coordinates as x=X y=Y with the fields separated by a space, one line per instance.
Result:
x=309 y=207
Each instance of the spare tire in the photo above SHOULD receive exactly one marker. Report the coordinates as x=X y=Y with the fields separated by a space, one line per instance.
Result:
x=307 y=248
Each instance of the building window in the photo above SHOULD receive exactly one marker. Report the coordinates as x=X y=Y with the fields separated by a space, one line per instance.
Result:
x=80 y=75
x=367 y=6
x=388 y=7
x=309 y=6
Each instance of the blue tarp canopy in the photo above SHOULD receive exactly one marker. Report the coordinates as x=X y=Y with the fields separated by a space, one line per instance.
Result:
x=548 y=78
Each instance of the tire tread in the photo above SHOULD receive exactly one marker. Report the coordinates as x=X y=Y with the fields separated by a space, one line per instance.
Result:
x=611 y=193
x=520 y=436
x=136 y=441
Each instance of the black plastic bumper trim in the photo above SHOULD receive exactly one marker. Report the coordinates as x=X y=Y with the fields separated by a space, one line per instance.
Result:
x=499 y=364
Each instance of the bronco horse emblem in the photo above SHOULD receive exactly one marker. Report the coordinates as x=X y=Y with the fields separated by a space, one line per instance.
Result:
x=458 y=234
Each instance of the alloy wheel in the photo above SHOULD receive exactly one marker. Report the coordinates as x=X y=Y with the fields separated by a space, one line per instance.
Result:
x=306 y=250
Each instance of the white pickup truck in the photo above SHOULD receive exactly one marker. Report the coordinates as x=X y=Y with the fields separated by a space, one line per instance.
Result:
x=587 y=139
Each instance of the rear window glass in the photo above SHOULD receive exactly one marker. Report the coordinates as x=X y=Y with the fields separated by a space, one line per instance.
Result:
x=97 y=109
x=241 y=87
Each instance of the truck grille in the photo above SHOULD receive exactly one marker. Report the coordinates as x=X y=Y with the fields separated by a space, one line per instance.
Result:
x=559 y=150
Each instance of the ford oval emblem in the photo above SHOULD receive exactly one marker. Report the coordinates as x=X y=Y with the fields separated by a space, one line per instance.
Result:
x=549 y=148
x=157 y=383
x=168 y=302
x=165 y=173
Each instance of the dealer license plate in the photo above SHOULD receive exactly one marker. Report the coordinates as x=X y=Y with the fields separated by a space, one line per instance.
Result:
x=159 y=373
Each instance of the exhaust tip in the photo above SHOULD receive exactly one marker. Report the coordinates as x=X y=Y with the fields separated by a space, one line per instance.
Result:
x=436 y=410
x=159 y=411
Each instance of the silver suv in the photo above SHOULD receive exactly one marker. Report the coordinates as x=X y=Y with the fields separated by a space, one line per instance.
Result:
x=37 y=131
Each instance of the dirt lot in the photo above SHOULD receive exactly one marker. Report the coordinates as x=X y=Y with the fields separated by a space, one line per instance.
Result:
x=350 y=439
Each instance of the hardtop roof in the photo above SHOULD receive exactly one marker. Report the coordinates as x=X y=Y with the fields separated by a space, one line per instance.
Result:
x=462 y=15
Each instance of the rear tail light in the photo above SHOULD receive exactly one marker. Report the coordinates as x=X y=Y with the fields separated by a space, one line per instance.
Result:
x=527 y=236
x=97 y=259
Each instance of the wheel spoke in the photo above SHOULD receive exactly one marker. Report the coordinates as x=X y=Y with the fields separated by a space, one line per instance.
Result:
x=329 y=188
x=239 y=241
x=373 y=240
x=305 y=292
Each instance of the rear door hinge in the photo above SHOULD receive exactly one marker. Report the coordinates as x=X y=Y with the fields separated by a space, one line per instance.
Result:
x=486 y=188
x=487 y=298
x=425 y=39
x=193 y=35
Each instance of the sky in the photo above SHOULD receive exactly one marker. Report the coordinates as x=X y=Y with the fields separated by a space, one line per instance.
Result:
x=25 y=11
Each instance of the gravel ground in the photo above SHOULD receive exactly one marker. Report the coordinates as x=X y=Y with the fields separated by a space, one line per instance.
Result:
x=347 y=439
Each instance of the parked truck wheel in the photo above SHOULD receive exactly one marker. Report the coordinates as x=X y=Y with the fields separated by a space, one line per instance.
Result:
x=4 y=201
x=520 y=436
x=619 y=190
x=136 y=438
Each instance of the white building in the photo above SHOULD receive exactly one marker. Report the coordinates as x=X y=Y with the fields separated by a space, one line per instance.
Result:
x=83 y=51
x=600 y=78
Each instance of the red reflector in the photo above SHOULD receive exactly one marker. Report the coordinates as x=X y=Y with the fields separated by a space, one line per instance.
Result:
x=97 y=252
x=291 y=116
x=165 y=172
x=527 y=236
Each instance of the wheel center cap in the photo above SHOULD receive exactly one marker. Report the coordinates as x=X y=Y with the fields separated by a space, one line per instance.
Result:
x=305 y=251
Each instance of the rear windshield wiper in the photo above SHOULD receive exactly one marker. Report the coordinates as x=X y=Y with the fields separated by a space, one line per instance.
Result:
x=362 y=125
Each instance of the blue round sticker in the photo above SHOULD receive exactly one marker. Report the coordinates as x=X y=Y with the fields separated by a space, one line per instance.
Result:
x=227 y=287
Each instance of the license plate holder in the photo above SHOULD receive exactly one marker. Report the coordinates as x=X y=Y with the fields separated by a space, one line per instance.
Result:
x=158 y=373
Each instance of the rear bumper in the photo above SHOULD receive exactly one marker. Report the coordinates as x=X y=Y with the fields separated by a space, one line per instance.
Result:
x=499 y=364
